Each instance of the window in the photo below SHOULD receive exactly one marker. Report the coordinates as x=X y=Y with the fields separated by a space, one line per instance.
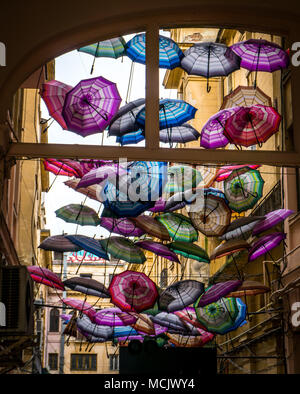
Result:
x=53 y=361
x=54 y=320
x=113 y=362
x=86 y=275
x=84 y=362
x=164 y=278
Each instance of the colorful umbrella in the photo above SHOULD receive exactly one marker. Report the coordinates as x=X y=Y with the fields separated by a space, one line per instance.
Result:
x=169 y=52
x=182 y=178
x=224 y=172
x=60 y=168
x=92 y=192
x=159 y=249
x=123 y=249
x=131 y=138
x=241 y=228
x=82 y=306
x=133 y=291
x=59 y=243
x=249 y=288
x=144 y=324
x=174 y=323
x=191 y=340
x=159 y=205
x=229 y=247
x=210 y=59
x=180 y=294
x=243 y=188
x=190 y=250
x=121 y=226
x=78 y=214
x=179 y=227
x=264 y=244
x=112 y=172
x=88 y=244
x=90 y=106
x=189 y=315
x=124 y=332
x=54 y=93
x=151 y=226
x=252 y=125
x=179 y=134
x=114 y=317
x=87 y=325
x=45 y=276
x=271 y=219
x=246 y=96
x=215 y=292
x=87 y=286
x=87 y=165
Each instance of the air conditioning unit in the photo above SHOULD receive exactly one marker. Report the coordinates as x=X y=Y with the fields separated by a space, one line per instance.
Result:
x=16 y=294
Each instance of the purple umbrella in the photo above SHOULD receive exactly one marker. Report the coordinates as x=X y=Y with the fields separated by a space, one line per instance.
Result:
x=114 y=317
x=264 y=244
x=90 y=164
x=159 y=249
x=96 y=176
x=159 y=205
x=90 y=106
x=271 y=219
x=217 y=291
x=122 y=226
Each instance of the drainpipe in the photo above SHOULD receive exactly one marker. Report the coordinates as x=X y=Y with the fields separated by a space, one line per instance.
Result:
x=62 y=338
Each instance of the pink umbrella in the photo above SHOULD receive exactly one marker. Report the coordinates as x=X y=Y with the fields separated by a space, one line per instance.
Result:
x=61 y=168
x=96 y=176
x=225 y=171
x=82 y=306
x=122 y=226
x=114 y=317
x=45 y=276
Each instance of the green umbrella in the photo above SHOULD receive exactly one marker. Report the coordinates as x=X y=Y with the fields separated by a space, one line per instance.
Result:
x=123 y=249
x=182 y=178
x=243 y=188
x=190 y=251
x=78 y=214
x=179 y=227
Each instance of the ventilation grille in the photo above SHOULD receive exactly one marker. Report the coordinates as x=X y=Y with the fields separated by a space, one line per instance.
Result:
x=10 y=296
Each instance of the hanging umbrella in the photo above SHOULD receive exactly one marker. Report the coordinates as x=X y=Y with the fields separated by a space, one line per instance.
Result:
x=210 y=59
x=215 y=292
x=123 y=121
x=191 y=340
x=151 y=226
x=90 y=106
x=159 y=205
x=87 y=286
x=169 y=52
x=214 y=134
x=208 y=173
x=174 y=323
x=59 y=168
x=179 y=200
x=264 y=244
x=171 y=113
x=144 y=324
x=133 y=291
x=92 y=192
x=211 y=215
x=159 y=249
x=45 y=276
x=190 y=250
x=121 y=226
x=78 y=214
x=123 y=249
x=182 y=178
x=89 y=244
x=249 y=288
x=224 y=172
x=85 y=324
x=114 y=317
x=271 y=219
x=179 y=227
x=124 y=332
x=246 y=96
x=241 y=228
x=82 y=306
x=241 y=317
x=252 y=125
x=180 y=134
x=131 y=138
x=110 y=171
x=59 y=243
x=180 y=294
x=243 y=188
x=87 y=165
x=229 y=247
x=188 y=314
x=53 y=93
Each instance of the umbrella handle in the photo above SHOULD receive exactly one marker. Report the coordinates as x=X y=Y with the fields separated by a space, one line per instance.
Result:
x=208 y=87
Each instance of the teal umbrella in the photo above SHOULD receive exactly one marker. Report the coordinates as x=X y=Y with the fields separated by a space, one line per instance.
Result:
x=182 y=178
x=123 y=249
x=179 y=227
x=78 y=214
x=190 y=250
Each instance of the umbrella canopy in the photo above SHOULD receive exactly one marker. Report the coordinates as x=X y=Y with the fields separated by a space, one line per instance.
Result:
x=78 y=214
x=210 y=59
x=113 y=48
x=211 y=215
x=180 y=295
x=215 y=292
x=189 y=315
x=122 y=226
x=243 y=188
x=229 y=247
x=123 y=249
x=133 y=291
x=82 y=306
x=182 y=178
x=179 y=227
x=60 y=168
x=174 y=324
x=191 y=340
x=96 y=176
x=114 y=317
x=264 y=244
x=144 y=324
x=90 y=106
x=123 y=121
x=252 y=125
x=159 y=205
x=86 y=325
x=241 y=317
x=249 y=288
x=87 y=286
x=159 y=249
x=90 y=164
x=59 y=243
x=45 y=276
x=88 y=244
x=169 y=52
x=246 y=96
x=171 y=113
x=190 y=250
x=54 y=93
x=241 y=228
x=92 y=192
x=218 y=317
x=124 y=332
x=151 y=226
x=224 y=172
x=271 y=219
x=131 y=138
x=179 y=134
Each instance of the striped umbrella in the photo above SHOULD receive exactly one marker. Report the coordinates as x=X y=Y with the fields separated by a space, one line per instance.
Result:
x=131 y=138
x=78 y=214
x=133 y=291
x=190 y=251
x=121 y=226
x=215 y=292
x=87 y=325
x=241 y=228
x=246 y=96
x=123 y=249
x=159 y=249
x=92 y=192
x=82 y=306
x=112 y=172
x=229 y=247
x=179 y=134
x=144 y=324
x=210 y=59
x=180 y=227
x=151 y=226
x=114 y=317
x=171 y=113
x=249 y=288
x=59 y=243
x=252 y=125
x=174 y=324
x=271 y=219
x=264 y=244
x=224 y=172
x=243 y=188
x=53 y=93
x=191 y=340
x=189 y=315
x=60 y=168
x=87 y=286
x=169 y=52
x=182 y=178
x=90 y=106
x=88 y=244
x=90 y=164
x=45 y=276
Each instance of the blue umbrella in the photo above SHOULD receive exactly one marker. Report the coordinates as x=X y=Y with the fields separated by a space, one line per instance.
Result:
x=131 y=138
x=88 y=244
x=124 y=331
x=241 y=317
x=170 y=54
